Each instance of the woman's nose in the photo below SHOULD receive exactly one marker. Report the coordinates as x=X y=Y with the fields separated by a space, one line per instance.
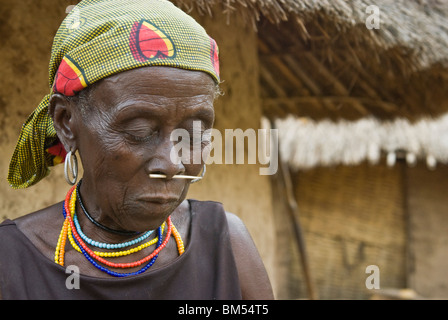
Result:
x=163 y=162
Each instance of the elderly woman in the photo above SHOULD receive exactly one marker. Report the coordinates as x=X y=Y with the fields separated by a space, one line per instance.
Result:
x=124 y=75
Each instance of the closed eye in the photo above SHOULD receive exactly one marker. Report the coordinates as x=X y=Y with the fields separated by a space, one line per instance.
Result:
x=142 y=138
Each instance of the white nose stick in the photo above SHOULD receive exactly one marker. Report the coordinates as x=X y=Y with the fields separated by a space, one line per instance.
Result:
x=178 y=176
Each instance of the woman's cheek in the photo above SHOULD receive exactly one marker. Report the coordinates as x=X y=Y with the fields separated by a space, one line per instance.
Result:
x=108 y=156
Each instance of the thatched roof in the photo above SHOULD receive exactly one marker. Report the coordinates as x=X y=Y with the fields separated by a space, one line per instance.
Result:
x=306 y=143
x=340 y=69
x=320 y=63
x=417 y=24
x=318 y=58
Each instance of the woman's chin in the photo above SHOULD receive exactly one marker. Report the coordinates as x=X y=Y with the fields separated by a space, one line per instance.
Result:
x=149 y=215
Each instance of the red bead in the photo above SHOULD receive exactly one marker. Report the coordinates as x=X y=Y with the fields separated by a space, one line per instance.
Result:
x=100 y=259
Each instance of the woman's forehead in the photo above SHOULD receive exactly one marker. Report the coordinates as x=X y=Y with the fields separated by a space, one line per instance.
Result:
x=155 y=85
x=160 y=75
x=161 y=80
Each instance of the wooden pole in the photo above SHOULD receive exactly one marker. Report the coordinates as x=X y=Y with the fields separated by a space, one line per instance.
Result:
x=297 y=229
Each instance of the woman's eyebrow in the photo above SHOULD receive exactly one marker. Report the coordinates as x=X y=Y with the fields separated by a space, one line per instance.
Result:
x=207 y=113
x=204 y=107
x=160 y=100
x=131 y=104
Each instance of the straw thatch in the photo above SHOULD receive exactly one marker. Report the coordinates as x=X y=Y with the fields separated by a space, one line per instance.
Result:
x=319 y=61
x=307 y=143
x=417 y=24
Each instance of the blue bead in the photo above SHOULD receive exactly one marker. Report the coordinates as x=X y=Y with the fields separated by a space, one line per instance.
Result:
x=117 y=274
x=107 y=245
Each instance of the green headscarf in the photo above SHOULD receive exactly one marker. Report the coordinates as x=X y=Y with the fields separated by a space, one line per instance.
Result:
x=99 y=38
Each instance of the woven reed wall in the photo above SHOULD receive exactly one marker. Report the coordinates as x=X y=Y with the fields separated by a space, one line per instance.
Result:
x=352 y=217
x=428 y=207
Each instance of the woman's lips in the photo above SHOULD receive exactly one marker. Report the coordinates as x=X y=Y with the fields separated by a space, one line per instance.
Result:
x=159 y=199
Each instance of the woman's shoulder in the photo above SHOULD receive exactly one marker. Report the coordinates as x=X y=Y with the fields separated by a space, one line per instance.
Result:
x=42 y=227
x=7 y=226
x=32 y=220
x=215 y=210
x=42 y=219
x=254 y=280
x=31 y=231
x=253 y=277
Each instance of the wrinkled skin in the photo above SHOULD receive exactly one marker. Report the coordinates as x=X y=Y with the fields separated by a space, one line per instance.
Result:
x=126 y=135
x=122 y=137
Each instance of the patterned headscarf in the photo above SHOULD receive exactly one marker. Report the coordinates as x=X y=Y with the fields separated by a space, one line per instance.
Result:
x=99 y=38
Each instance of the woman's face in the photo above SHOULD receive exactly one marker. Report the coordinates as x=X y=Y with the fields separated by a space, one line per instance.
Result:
x=125 y=135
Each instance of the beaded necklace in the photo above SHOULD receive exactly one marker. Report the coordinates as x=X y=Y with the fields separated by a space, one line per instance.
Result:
x=108 y=245
x=118 y=253
x=70 y=230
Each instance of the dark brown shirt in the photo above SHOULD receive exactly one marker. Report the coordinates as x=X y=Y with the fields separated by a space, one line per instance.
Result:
x=206 y=270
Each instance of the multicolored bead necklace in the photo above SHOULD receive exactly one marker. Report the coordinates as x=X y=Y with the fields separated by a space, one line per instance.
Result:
x=72 y=231
x=108 y=245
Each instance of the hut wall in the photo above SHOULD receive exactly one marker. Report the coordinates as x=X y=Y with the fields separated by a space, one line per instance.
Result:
x=240 y=187
x=427 y=206
x=26 y=35
x=351 y=217
x=27 y=31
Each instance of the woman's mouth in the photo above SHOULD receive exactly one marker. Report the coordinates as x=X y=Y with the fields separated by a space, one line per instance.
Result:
x=159 y=199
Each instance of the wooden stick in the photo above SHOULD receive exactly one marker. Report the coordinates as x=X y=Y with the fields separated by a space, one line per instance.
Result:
x=179 y=176
x=295 y=221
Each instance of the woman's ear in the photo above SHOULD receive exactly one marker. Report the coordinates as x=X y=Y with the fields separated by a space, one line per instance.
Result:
x=61 y=111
